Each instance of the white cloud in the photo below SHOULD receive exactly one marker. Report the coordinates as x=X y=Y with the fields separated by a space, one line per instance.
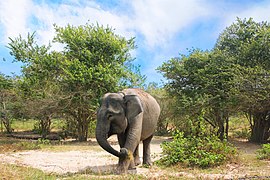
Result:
x=160 y=20
x=258 y=13
x=75 y=14
x=227 y=14
x=13 y=17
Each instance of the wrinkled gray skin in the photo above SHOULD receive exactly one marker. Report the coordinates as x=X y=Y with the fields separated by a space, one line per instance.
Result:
x=132 y=114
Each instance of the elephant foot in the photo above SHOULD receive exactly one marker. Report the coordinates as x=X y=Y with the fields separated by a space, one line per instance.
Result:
x=132 y=171
x=137 y=161
x=147 y=162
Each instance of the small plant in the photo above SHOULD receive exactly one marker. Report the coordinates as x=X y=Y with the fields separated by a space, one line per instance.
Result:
x=264 y=152
x=201 y=151
x=27 y=146
x=43 y=141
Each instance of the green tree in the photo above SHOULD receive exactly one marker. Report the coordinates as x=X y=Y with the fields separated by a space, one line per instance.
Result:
x=6 y=97
x=166 y=117
x=202 y=85
x=247 y=42
x=37 y=86
x=94 y=61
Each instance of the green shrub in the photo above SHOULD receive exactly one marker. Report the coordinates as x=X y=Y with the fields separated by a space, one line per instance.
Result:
x=264 y=152
x=28 y=146
x=202 y=151
x=243 y=133
x=32 y=145
x=42 y=141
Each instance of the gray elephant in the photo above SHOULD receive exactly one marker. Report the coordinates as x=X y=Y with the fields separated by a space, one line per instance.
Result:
x=132 y=114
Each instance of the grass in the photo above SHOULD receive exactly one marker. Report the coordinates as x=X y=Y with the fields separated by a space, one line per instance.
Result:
x=15 y=172
x=10 y=172
x=29 y=124
x=239 y=127
x=23 y=125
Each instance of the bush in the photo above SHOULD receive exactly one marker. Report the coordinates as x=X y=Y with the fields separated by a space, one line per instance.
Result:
x=264 y=152
x=202 y=151
x=27 y=146
x=243 y=133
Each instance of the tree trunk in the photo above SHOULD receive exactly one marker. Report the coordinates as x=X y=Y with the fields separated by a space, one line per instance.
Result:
x=5 y=119
x=45 y=125
x=227 y=127
x=82 y=130
x=260 y=127
x=83 y=124
x=221 y=132
x=220 y=119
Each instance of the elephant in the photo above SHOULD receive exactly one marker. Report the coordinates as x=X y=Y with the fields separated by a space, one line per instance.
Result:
x=132 y=115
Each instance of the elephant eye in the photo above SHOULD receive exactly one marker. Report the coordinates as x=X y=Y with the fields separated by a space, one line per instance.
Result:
x=109 y=116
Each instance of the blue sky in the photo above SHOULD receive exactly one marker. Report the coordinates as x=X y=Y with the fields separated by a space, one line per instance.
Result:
x=163 y=28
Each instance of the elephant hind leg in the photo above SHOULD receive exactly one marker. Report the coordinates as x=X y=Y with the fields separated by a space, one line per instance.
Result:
x=146 y=151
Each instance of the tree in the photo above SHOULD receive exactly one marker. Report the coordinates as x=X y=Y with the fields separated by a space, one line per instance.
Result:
x=247 y=42
x=94 y=61
x=166 y=116
x=37 y=86
x=202 y=84
x=6 y=96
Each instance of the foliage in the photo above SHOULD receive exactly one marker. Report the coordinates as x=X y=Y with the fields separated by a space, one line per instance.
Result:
x=264 y=152
x=202 y=82
x=243 y=133
x=202 y=151
x=68 y=83
x=37 y=87
x=32 y=145
x=27 y=145
x=247 y=42
x=7 y=98
x=166 y=117
x=232 y=77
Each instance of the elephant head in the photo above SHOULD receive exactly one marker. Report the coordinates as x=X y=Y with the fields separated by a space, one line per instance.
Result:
x=114 y=116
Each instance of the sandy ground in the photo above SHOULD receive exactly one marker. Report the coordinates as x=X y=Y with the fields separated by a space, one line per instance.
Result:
x=96 y=160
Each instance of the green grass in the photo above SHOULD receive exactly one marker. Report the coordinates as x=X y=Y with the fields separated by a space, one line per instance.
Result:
x=23 y=125
x=29 y=124
x=10 y=172
x=239 y=127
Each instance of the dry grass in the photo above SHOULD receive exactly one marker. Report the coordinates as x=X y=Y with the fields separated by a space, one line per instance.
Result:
x=15 y=172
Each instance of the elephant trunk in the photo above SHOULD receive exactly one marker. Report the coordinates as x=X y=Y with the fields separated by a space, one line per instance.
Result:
x=102 y=136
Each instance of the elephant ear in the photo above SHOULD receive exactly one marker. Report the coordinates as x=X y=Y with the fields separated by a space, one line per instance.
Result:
x=133 y=106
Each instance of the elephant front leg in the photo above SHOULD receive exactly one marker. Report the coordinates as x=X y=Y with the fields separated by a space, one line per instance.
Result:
x=133 y=135
x=126 y=161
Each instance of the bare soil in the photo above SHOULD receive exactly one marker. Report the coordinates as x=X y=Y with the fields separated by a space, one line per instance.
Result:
x=95 y=159
x=99 y=162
